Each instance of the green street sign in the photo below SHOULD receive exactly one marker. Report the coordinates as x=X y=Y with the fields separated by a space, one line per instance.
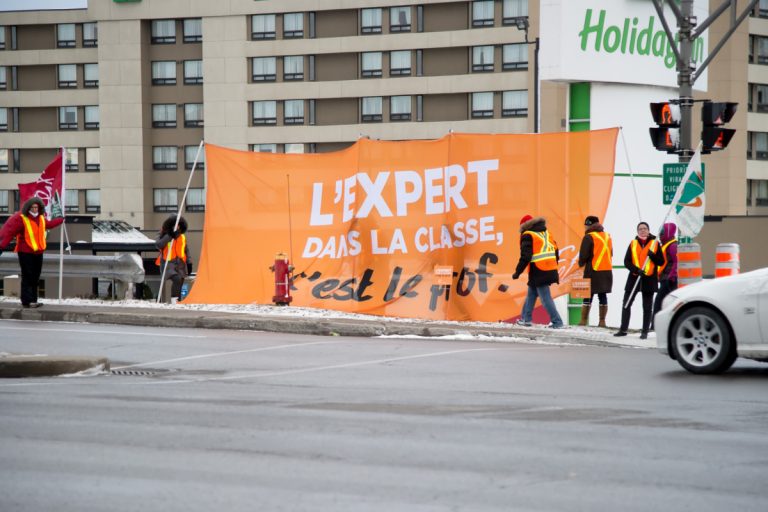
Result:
x=672 y=175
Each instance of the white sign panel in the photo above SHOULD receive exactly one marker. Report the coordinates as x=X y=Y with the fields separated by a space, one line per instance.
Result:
x=620 y=41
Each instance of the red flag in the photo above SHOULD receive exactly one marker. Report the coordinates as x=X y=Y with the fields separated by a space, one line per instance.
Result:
x=47 y=187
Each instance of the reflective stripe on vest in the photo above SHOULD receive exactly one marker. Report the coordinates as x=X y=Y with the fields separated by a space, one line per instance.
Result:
x=664 y=253
x=641 y=254
x=179 y=250
x=34 y=233
x=599 y=259
x=543 y=250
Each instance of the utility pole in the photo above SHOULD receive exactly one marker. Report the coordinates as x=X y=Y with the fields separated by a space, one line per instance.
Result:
x=682 y=45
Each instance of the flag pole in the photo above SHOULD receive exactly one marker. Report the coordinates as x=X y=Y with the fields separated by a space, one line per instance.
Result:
x=63 y=224
x=178 y=216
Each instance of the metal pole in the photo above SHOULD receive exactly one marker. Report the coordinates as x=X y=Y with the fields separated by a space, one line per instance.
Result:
x=536 y=121
x=684 y=76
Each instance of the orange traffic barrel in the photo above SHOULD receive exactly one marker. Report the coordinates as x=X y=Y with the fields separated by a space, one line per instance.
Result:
x=727 y=261
x=688 y=264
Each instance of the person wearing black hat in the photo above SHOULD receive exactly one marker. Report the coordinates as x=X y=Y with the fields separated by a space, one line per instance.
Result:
x=176 y=254
x=596 y=256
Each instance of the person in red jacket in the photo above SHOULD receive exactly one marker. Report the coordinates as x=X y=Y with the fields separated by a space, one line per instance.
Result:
x=29 y=227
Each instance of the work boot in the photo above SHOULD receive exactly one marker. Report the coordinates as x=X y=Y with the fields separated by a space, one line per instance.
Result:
x=585 y=314
x=603 y=314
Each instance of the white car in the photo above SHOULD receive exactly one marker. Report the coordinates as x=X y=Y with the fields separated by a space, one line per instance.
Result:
x=707 y=325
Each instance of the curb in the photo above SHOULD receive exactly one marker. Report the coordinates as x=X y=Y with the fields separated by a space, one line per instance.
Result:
x=12 y=367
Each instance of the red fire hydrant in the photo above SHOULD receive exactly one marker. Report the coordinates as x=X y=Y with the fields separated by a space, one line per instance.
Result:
x=283 y=280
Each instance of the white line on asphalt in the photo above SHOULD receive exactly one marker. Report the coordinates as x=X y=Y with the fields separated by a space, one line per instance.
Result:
x=132 y=333
x=218 y=354
x=322 y=368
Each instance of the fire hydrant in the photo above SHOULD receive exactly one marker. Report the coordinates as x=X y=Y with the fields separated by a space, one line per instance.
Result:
x=283 y=280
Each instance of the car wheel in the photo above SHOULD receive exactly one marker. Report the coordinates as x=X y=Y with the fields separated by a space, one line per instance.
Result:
x=702 y=341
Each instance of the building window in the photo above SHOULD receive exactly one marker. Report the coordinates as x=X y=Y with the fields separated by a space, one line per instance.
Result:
x=165 y=199
x=514 y=10
x=67 y=118
x=514 y=103
x=760 y=145
x=758 y=98
x=758 y=50
x=294 y=148
x=293 y=25
x=71 y=200
x=90 y=35
x=91 y=75
x=3 y=77
x=482 y=58
x=293 y=67
x=3 y=119
x=400 y=63
x=193 y=30
x=67 y=76
x=293 y=112
x=482 y=104
x=164 y=158
x=399 y=19
x=93 y=201
x=163 y=31
x=16 y=156
x=264 y=69
x=515 y=56
x=2 y=37
x=263 y=26
x=70 y=159
x=371 y=64
x=264 y=148
x=370 y=21
x=92 y=159
x=761 y=192
x=195 y=200
x=3 y=160
x=164 y=115
x=482 y=13
x=164 y=72
x=193 y=72
x=371 y=109
x=193 y=115
x=190 y=152
x=400 y=108
x=4 y=206
x=264 y=112
x=65 y=35
x=91 y=117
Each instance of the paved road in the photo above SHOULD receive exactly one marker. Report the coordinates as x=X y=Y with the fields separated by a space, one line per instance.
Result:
x=243 y=421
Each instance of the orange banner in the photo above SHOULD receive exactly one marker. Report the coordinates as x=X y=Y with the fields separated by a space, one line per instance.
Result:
x=371 y=229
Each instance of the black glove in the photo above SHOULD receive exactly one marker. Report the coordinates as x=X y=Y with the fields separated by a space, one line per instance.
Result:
x=516 y=275
x=176 y=234
x=189 y=268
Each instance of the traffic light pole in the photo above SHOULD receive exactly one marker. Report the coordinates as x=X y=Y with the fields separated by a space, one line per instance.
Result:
x=686 y=71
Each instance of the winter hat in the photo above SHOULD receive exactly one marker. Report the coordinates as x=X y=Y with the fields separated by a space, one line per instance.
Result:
x=591 y=220
x=525 y=219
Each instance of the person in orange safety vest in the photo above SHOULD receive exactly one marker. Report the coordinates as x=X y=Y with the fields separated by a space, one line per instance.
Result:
x=177 y=254
x=29 y=228
x=642 y=257
x=596 y=256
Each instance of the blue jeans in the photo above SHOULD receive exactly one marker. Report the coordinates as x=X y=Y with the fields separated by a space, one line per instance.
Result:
x=541 y=292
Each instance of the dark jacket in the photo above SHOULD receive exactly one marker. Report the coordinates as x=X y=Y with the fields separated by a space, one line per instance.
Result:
x=177 y=266
x=648 y=284
x=601 y=280
x=668 y=232
x=15 y=226
x=536 y=277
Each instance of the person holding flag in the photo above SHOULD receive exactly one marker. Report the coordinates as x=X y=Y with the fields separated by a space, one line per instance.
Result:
x=29 y=227
x=174 y=260
x=641 y=259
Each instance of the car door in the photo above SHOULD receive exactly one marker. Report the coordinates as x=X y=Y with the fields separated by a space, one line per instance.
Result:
x=762 y=309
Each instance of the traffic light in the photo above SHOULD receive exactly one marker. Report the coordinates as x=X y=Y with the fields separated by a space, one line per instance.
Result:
x=713 y=117
x=667 y=136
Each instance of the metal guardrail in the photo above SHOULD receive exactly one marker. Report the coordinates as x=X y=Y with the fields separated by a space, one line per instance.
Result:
x=125 y=267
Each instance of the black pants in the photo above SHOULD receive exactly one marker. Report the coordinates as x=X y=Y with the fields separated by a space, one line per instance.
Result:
x=601 y=297
x=626 y=312
x=176 y=282
x=665 y=287
x=31 y=266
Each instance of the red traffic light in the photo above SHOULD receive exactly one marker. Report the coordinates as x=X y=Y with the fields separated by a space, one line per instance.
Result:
x=715 y=139
x=717 y=114
x=665 y=139
x=666 y=114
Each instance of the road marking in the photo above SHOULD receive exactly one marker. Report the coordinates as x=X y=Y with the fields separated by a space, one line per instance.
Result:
x=219 y=354
x=322 y=368
x=127 y=333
